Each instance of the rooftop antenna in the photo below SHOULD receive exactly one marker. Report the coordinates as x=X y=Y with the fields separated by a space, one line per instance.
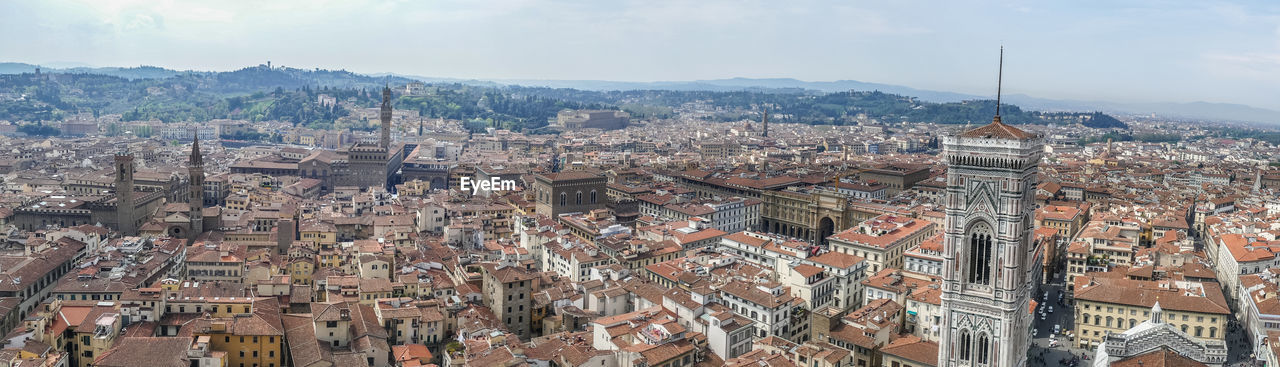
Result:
x=999 y=82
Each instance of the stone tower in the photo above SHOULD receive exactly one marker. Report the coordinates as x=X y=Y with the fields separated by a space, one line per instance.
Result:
x=764 y=123
x=386 y=118
x=987 y=250
x=196 y=201
x=126 y=221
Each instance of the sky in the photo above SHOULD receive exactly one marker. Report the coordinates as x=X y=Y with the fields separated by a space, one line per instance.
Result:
x=1122 y=51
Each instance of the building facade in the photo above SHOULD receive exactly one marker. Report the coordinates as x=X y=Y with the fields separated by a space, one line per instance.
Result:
x=568 y=192
x=991 y=183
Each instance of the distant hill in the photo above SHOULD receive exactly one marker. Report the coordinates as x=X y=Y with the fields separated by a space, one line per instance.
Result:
x=316 y=77
x=735 y=84
x=281 y=93
x=1193 y=110
x=139 y=72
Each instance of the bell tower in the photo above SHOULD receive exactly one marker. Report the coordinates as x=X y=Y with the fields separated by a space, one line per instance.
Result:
x=196 y=201
x=987 y=247
x=386 y=118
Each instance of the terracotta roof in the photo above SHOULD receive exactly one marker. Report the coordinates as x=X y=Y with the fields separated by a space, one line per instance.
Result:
x=1146 y=293
x=912 y=348
x=147 y=351
x=999 y=130
x=1157 y=358
x=837 y=260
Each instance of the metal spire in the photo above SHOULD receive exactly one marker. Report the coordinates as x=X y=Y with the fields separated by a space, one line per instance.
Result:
x=999 y=81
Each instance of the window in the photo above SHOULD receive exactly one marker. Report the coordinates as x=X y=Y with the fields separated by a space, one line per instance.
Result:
x=562 y=199
x=983 y=347
x=578 y=198
x=980 y=254
x=965 y=345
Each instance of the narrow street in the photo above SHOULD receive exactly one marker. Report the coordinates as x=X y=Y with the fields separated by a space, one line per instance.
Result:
x=1062 y=351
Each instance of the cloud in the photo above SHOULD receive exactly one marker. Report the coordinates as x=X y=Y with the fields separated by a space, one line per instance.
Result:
x=1248 y=66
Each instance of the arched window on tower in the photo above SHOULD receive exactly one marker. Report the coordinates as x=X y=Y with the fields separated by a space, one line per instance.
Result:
x=980 y=254
x=984 y=344
x=965 y=345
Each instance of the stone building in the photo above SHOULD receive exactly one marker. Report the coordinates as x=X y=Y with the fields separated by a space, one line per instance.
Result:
x=592 y=119
x=569 y=192
x=991 y=183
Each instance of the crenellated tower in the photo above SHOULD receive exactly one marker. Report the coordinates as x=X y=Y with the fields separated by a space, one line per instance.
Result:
x=386 y=118
x=126 y=200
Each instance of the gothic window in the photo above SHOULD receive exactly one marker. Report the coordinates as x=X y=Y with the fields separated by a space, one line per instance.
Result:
x=965 y=341
x=562 y=198
x=593 y=196
x=980 y=254
x=984 y=344
x=578 y=199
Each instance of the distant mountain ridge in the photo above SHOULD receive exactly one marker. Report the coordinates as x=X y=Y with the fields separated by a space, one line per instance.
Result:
x=1192 y=110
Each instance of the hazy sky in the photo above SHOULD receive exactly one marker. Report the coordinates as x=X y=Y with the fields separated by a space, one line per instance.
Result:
x=1130 y=51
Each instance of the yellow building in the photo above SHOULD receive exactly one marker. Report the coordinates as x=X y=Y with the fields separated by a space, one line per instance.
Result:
x=373 y=289
x=96 y=334
x=1107 y=305
x=1067 y=220
x=248 y=339
x=329 y=256
x=301 y=270
x=237 y=202
x=317 y=231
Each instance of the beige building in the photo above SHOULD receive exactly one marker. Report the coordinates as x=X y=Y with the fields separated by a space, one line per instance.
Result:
x=882 y=240
x=813 y=214
x=508 y=290
x=1105 y=305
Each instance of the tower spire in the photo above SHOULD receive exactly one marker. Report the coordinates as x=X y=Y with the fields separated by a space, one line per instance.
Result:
x=999 y=82
x=195 y=149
